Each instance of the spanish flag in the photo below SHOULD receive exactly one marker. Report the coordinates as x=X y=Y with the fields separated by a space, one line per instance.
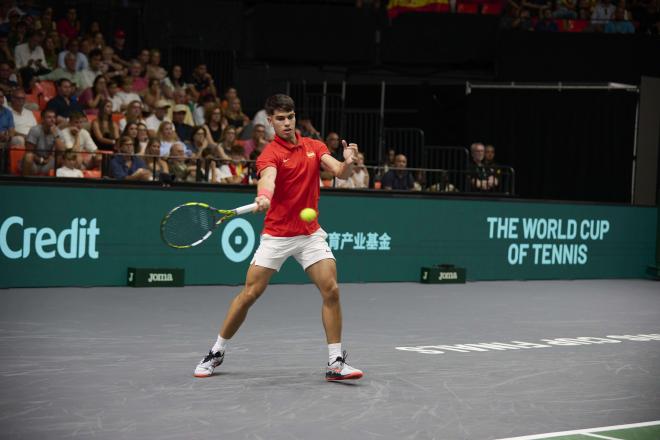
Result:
x=397 y=7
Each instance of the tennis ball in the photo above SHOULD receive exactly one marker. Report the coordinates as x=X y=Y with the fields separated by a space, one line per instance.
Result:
x=308 y=215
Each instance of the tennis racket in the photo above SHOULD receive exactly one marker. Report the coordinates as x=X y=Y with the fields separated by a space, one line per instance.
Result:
x=190 y=224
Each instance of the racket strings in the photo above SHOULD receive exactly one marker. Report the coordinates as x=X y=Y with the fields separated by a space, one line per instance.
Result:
x=188 y=224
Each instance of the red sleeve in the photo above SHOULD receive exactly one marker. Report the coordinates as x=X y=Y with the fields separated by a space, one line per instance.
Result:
x=266 y=159
x=321 y=149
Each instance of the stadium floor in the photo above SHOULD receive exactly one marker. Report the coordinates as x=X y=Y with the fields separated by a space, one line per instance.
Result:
x=116 y=363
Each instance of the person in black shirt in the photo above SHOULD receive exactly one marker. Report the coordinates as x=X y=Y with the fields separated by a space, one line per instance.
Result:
x=183 y=130
x=398 y=177
x=62 y=104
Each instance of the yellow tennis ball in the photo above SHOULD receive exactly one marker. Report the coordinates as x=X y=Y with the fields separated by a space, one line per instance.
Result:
x=308 y=215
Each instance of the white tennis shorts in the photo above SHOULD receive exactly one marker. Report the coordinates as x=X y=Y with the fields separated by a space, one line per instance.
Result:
x=306 y=249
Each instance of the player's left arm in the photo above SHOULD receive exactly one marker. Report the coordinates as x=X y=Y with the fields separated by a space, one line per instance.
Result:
x=344 y=169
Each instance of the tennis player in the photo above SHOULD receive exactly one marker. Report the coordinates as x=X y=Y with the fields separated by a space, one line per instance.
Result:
x=289 y=181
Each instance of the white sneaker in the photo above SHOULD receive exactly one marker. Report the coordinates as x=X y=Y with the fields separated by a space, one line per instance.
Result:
x=340 y=370
x=207 y=365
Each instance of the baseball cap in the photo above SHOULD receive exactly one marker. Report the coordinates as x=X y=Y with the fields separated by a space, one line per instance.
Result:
x=119 y=33
x=161 y=103
x=179 y=108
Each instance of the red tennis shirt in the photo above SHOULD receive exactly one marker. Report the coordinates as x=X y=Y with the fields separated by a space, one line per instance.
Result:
x=297 y=185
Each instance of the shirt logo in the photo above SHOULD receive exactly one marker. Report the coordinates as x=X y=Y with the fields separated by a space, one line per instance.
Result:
x=285 y=160
x=310 y=154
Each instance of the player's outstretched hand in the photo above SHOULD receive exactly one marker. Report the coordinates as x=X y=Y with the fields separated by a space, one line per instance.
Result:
x=350 y=152
x=262 y=204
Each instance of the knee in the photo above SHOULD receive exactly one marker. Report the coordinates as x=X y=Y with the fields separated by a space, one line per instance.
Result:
x=251 y=294
x=330 y=293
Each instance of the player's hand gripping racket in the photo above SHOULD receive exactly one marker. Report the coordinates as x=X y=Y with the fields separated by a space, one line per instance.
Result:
x=190 y=224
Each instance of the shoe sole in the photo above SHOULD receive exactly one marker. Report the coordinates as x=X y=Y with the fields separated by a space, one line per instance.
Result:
x=352 y=376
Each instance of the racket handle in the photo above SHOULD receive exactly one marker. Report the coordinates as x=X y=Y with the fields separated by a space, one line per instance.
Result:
x=244 y=209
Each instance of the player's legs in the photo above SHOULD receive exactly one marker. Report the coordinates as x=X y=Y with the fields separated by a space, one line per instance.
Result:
x=256 y=282
x=324 y=274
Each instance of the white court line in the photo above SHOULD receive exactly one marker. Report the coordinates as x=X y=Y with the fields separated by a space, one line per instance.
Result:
x=588 y=434
x=582 y=431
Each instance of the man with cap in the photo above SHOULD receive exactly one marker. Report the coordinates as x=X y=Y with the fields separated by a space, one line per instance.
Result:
x=121 y=55
x=183 y=130
x=158 y=116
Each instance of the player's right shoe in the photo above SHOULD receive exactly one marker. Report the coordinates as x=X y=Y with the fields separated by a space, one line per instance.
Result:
x=207 y=365
x=340 y=370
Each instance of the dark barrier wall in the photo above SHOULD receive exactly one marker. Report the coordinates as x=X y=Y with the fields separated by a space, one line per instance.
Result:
x=62 y=236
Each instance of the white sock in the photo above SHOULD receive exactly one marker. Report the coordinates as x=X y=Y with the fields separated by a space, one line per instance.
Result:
x=220 y=344
x=334 y=351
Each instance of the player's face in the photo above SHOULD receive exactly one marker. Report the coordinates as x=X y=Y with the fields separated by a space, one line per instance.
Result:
x=284 y=124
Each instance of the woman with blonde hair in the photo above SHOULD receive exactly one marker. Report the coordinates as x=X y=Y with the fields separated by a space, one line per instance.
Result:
x=167 y=136
x=235 y=116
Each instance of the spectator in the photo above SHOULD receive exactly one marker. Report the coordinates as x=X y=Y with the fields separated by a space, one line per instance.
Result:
x=546 y=23
x=7 y=78
x=199 y=142
x=31 y=55
x=98 y=42
x=19 y=32
x=76 y=138
x=91 y=98
x=262 y=118
x=235 y=116
x=307 y=128
x=202 y=81
x=183 y=130
x=167 y=137
x=481 y=177
x=523 y=21
x=111 y=68
x=174 y=82
x=126 y=95
x=177 y=163
x=69 y=26
x=113 y=96
x=133 y=114
x=154 y=70
x=158 y=117
x=155 y=162
x=332 y=142
x=135 y=72
x=360 y=177
x=68 y=72
x=6 y=54
x=142 y=137
x=143 y=59
x=602 y=13
x=490 y=164
x=398 y=177
x=88 y=75
x=152 y=94
x=62 y=104
x=181 y=98
x=50 y=52
x=105 y=131
x=24 y=119
x=119 y=48
x=257 y=138
x=619 y=25
x=6 y=121
x=237 y=166
x=127 y=166
x=215 y=123
x=70 y=167
x=566 y=9
x=45 y=22
x=94 y=28
x=206 y=103
x=42 y=143
x=230 y=94
x=228 y=140
x=131 y=131
x=80 y=60
x=585 y=9
x=390 y=160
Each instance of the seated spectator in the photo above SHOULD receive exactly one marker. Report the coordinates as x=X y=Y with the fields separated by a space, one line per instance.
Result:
x=307 y=129
x=167 y=137
x=238 y=166
x=67 y=72
x=45 y=22
x=257 y=138
x=80 y=61
x=69 y=26
x=18 y=33
x=398 y=177
x=113 y=96
x=6 y=121
x=135 y=72
x=70 y=167
x=230 y=94
x=215 y=123
x=183 y=130
x=481 y=177
x=31 y=55
x=332 y=142
x=174 y=82
x=76 y=138
x=199 y=142
x=50 y=52
x=262 y=118
x=228 y=140
x=126 y=165
x=88 y=75
x=8 y=80
x=143 y=59
x=154 y=70
x=205 y=104
x=142 y=137
x=177 y=163
x=119 y=47
x=602 y=13
x=42 y=143
x=155 y=162
x=619 y=25
x=91 y=97
x=105 y=131
x=151 y=95
x=158 y=117
x=566 y=9
x=202 y=81
x=98 y=42
x=131 y=131
x=536 y=6
x=181 y=98
x=126 y=95
x=63 y=105
x=24 y=119
x=235 y=116
x=360 y=177
x=133 y=114
x=523 y=21
x=389 y=160
x=546 y=23
x=111 y=68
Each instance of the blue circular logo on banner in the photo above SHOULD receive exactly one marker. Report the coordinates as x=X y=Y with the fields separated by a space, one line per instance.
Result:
x=237 y=240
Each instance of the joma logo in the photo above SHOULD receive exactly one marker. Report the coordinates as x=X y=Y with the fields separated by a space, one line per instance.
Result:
x=447 y=276
x=160 y=277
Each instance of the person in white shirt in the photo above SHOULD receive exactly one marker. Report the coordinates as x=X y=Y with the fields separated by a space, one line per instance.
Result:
x=126 y=95
x=133 y=114
x=72 y=48
x=261 y=118
x=87 y=76
x=70 y=166
x=158 y=117
x=76 y=138
x=359 y=178
x=31 y=54
x=24 y=119
x=603 y=12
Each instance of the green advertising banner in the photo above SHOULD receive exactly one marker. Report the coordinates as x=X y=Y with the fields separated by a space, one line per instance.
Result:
x=89 y=236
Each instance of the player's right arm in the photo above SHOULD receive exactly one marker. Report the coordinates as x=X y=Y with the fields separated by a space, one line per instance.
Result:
x=265 y=188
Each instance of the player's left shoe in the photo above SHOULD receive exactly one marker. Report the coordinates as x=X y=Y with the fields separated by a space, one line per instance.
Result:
x=340 y=370
x=209 y=363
